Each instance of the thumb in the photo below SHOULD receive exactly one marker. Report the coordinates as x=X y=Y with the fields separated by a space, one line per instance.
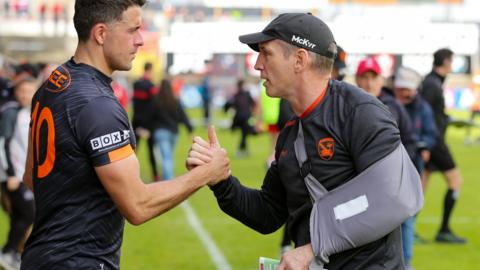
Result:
x=212 y=137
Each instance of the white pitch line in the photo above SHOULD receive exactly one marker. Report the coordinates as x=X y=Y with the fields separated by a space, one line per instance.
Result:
x=215 y=254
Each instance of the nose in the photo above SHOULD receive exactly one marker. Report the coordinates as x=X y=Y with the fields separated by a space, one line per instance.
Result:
x=138 y=39
x=258 y=64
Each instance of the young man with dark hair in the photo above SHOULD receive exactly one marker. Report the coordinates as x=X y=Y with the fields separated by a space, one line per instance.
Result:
x=81 y=164
x=441 y=159
x=337 y=135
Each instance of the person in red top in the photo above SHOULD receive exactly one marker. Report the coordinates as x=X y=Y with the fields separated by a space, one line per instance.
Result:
x=121 y=94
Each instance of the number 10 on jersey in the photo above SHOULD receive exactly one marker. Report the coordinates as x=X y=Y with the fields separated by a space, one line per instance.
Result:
x=45 y=117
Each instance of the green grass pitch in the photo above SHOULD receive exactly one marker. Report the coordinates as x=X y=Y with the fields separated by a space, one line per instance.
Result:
x=169 y=242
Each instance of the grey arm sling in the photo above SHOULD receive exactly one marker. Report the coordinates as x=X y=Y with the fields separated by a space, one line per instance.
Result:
x=364 y=209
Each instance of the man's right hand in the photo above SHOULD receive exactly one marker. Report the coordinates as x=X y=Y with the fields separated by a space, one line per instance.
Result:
x=211 y=155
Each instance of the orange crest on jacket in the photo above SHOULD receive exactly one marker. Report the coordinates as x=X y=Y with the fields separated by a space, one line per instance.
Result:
x=326 y=148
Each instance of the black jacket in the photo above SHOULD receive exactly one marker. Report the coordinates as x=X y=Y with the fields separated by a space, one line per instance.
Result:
x=407 y=135
x=432 y=92
x=165 y=119
x=143 y=93
x=242 y=102
x=346 y=132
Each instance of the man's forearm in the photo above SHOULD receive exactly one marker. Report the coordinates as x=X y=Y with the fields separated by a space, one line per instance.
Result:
x=163 y=196
x=256 y=209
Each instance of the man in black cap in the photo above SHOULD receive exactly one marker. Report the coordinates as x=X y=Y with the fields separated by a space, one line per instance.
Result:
x=345 y=131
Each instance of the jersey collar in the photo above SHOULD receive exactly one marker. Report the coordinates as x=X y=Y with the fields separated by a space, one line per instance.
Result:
x=315 y=102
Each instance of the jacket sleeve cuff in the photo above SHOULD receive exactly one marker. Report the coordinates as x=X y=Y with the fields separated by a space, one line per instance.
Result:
x=222 y=187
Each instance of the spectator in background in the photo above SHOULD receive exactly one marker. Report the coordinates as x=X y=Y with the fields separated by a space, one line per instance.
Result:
x=269 y=113
x=167 y=114
x=42 y=12
x=6 y=8
x=177 y=85
x=243 y=104
x=369 y=78
x=21 y=8
x=206 y=92
x=441 y=159
x=405 y=86
x=339 y=65
x=474 y=113
x=121 y=94
x=14 y=127
x=27 y=69
x=6 y=88
x=143 y=92
x=57 y=10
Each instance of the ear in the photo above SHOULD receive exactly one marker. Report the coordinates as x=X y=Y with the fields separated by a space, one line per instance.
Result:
x=99 y=32
x=301 y=60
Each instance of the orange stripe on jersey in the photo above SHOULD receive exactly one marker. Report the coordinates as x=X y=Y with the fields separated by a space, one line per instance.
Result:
x=290 y=123
x=314 y=104
x=120 y=153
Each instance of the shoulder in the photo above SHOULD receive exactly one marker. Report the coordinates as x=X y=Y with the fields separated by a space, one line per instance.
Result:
x=431 y=81
x=391 y=102
x=101 y=111
x=350 y=93
x=9 y=106
x=348 y=98
x=101 y=105
x=76 y=80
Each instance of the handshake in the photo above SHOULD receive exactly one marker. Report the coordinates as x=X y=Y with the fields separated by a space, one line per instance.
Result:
x=210 y=158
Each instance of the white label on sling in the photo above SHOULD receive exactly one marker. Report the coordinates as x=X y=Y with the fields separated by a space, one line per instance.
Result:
x=351 y=208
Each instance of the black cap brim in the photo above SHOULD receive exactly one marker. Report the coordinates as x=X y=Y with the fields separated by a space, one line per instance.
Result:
x=254 y=39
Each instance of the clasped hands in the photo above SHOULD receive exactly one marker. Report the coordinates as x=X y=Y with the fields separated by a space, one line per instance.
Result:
x=211 y=155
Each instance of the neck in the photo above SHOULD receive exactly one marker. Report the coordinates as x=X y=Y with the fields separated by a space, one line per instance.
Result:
x=440 y=71
x=92 y=55
x=308 y=89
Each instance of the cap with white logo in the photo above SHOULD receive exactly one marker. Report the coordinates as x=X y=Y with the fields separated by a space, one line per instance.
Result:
x=300 y=29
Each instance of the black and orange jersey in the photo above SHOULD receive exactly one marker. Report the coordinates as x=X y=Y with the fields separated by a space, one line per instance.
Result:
x=345 y=131
x=76 y=125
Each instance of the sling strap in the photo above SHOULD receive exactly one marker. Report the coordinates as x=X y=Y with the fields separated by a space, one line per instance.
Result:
x=364 y=209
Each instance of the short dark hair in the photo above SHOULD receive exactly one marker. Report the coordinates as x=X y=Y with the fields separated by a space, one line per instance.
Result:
x=441 y=55
x=148 y=66
x=24 y=79
x=90 y=12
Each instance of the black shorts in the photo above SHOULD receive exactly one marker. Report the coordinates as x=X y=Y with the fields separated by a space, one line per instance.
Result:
x=440 y=158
